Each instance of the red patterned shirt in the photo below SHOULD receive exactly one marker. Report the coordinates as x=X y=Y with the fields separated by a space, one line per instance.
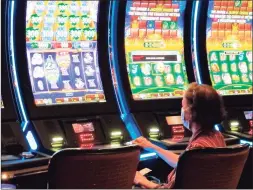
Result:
x=200 y=140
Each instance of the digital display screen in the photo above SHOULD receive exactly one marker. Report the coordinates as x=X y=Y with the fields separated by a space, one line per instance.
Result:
x=178 y=129
x=174 y=120
x=83 y=127
x=85 y=132
x=248 y=115
x=154 y=49
x=229 y=46
x=61 y=42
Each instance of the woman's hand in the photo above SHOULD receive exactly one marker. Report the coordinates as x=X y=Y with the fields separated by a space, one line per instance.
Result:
x=144 y=182
x=139 y=179
x=144 y=143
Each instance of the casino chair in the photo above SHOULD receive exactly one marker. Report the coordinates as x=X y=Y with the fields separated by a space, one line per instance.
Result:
x=93 y=169
x=211 y=168
x=246 y=181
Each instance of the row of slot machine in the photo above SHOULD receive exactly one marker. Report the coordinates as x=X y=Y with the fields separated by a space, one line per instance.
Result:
x=97 y=74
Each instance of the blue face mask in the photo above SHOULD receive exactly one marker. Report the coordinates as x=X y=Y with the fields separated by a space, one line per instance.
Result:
x=185 y=123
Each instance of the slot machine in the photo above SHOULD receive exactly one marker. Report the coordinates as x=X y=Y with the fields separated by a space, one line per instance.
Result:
x=155 y=66
x=227 y=49
x=17 y=159
x=59 y=54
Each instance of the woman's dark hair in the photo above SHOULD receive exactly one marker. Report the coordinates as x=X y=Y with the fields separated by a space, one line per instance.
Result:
x=205 y=104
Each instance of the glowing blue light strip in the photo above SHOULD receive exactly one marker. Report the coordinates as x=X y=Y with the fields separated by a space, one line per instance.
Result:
x=195 y=39
x=246 y=142
x=31 y=140
x=24 y=125
x=148 y=155
x=113 y=52
x=14 y=71
x=114 y=56
x=24 y=121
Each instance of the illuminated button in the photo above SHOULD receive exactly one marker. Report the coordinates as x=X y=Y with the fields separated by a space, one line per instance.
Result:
x=234 y=123
x=57 y=139
x=154 y=130
x=116 y=136
x=116 y=133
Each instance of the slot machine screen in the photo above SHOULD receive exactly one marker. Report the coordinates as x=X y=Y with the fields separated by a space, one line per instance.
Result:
x=229 y=46
x=61 y=44
x=154 y=49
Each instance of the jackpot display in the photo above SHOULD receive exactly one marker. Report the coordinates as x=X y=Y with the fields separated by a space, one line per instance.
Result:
x=61 y=42
x=229 y=46
x=154 y=49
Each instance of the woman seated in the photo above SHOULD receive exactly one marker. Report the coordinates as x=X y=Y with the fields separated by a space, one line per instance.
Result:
x=202 y=108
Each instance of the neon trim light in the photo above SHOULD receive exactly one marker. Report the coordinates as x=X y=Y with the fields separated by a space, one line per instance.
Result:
x=20 y=103
x=118 y=87
x=195 y=39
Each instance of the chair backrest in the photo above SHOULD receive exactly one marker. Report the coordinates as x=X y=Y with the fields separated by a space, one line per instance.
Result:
x=211 y=168
x=246 y=181
x=93 y=169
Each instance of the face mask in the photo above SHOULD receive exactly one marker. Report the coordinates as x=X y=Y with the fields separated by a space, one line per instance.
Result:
x=185 y=123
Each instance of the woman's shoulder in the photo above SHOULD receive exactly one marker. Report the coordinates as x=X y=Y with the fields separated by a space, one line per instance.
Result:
x=212 y=139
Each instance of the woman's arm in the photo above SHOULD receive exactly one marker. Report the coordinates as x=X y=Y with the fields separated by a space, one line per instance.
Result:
x=168 y=156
